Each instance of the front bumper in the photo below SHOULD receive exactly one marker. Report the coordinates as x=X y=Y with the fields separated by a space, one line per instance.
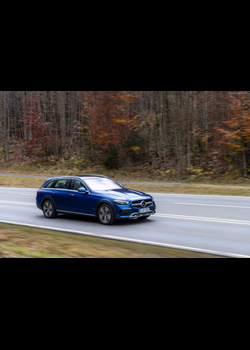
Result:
x=129 y=212
x=139 y=215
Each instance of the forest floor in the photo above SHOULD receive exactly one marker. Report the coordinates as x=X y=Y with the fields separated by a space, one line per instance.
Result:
x=142 y=178
x=25 y=242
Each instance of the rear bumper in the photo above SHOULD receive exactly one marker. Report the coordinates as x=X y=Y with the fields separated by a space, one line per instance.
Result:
x=38 y=204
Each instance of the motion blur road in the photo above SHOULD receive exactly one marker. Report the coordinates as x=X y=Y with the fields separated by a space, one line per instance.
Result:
x=210 y=224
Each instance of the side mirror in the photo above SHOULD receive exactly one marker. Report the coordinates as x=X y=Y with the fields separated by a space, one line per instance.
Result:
x=82 y=190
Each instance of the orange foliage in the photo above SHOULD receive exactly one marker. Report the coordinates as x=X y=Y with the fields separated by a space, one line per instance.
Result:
x=110 y=117
x=237 y=131
x=38 y=134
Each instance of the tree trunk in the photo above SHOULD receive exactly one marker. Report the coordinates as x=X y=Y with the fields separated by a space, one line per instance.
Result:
x=244 y=163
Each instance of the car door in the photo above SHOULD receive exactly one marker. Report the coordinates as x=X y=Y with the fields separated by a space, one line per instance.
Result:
x=80 y=202
x=60 y=194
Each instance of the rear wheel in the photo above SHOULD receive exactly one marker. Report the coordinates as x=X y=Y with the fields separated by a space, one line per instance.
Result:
x=49 y=210
x=105 y=214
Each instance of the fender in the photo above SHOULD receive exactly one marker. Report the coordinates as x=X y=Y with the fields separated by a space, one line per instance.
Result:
x=107 y=202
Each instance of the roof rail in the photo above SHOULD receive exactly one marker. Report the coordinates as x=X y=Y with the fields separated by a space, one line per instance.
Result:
x=89 y=175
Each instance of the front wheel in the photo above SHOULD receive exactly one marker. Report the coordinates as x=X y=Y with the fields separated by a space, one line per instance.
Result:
x=105 y=214
x=49 y=209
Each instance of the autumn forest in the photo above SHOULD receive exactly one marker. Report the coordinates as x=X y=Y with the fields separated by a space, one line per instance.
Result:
x=169 y=131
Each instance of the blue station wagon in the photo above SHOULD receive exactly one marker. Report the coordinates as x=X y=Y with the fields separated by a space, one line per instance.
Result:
x=93 y=195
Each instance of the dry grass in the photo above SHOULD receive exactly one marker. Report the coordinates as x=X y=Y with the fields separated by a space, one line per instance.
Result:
x=24 y=242
x=229 y=190
x=237 y=190
x=228 y=184
x=10 y=181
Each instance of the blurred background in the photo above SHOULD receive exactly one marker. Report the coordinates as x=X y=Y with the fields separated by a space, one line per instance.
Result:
x=166 y=134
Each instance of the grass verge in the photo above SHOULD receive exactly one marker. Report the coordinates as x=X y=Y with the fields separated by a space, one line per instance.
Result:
x=230 y=190
x=25 y=242
x=126 y=173
x=225 y=190
x=9 y=181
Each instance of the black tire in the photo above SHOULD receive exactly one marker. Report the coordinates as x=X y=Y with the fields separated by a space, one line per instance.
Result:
x=49 y=209
x=105 y=214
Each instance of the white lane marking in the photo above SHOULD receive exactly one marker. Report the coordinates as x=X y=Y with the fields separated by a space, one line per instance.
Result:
x=49 y=228
x=168 y=216
x=215 y=205
x=2 y=189
x=27 y=194
x=17 y=203
x=173 y=246
x=201 y=250
x=198 y=218
x=4 y=193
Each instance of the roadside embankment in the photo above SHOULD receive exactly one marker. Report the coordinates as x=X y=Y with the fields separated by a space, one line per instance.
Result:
x=25 y=242
x=154 y=187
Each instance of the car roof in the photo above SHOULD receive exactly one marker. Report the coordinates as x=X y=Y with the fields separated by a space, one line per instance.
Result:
x=75 y=177
x=91 y=175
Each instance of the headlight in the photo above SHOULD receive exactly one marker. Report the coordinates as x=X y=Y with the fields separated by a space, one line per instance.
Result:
x=121 y=202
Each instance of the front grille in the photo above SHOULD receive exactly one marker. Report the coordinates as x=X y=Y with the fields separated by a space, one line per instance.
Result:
x=138 y=204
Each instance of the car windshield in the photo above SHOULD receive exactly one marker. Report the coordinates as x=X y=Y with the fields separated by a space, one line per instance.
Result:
x=99 y=184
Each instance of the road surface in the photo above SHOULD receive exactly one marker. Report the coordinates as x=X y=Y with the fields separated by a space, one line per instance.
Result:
x=203 y=223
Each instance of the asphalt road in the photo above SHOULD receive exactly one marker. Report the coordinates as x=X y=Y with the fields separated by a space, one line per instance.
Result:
x=210 y=224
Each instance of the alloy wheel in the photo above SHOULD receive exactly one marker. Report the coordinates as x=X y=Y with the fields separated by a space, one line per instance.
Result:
x=48 y=209
x=105 y=214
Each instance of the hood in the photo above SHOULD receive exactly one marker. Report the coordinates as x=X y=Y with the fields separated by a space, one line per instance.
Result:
x=124 y=193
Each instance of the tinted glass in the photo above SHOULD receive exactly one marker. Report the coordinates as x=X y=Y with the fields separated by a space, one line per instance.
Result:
x=99 y=184
x=76 y=184
x=63 y=184
x=49 y=184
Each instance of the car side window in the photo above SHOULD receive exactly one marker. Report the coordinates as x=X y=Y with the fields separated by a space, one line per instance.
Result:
x=49 y=185
x=76 y=184
x=62 y=184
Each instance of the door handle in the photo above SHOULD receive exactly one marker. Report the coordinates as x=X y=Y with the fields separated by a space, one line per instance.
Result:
x=71 y=194
x=53 y=192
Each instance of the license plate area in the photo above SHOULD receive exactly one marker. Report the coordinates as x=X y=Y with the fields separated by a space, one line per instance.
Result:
x=145 y=210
